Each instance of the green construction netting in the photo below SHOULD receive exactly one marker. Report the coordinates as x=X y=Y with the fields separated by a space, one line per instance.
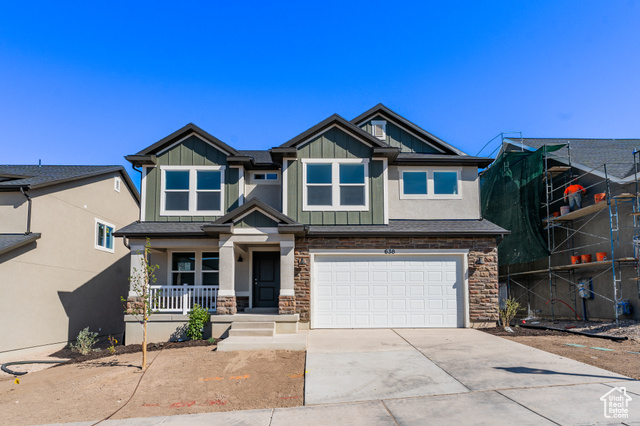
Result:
x=511 y=191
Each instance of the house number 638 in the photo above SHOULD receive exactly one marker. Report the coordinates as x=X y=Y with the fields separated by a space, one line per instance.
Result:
x=390 y=251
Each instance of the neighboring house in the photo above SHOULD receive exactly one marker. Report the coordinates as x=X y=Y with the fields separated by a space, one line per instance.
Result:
x=550 y=286
x=368 y=223
x=61 y=269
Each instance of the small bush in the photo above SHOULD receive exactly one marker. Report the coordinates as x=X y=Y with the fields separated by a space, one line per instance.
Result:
x=85 y=342
x=197 y=318
x=211 y=340
x=112 y=343
x=509 y=312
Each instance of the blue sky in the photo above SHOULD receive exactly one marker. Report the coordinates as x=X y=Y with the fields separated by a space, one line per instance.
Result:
x=90 y=82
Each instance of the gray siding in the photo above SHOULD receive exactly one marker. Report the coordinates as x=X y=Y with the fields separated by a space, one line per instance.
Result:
x=256 y=220
x=399 y=138
x=192 y=152
x=335 y=143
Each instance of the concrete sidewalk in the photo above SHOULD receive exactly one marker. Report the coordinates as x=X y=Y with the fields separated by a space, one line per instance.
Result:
x=563 y=405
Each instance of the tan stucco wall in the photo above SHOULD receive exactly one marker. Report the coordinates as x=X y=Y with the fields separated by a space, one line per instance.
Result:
x=13 y=212
x=60 y=284
x=468 y=207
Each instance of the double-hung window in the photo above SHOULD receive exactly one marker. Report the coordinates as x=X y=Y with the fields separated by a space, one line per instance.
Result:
x=192 y=190
x=335 y=185
x=194 y=268
x=429 y=184
x=104 y=236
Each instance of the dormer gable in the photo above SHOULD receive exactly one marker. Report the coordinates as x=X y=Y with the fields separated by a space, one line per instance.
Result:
x=253 y=216
x=398 y=132
x=334 y=134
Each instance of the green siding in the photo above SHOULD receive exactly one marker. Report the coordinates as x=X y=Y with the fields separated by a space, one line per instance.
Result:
x=256 y=220
x=335 y=143
x=193 y=151
x=402 y=139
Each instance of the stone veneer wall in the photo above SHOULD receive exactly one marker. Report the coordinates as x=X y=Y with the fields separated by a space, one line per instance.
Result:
x=483 y=278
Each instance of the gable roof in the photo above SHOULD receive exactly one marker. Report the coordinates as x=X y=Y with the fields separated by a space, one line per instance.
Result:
x=380 y=109
x=10 y=242
x=339 y=121
x=589 y=154
x=182 y=133
x=14 y=177
x=255 y=204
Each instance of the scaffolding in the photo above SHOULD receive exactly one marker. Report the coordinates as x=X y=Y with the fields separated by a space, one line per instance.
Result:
x=561 y=232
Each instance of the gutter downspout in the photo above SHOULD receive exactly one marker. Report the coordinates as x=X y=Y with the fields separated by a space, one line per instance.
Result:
x=28 y=210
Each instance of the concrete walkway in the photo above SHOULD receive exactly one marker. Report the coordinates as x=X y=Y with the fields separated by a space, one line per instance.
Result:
x=417 y=377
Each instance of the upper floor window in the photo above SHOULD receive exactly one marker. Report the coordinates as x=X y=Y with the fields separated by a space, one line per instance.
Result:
x=192 y=190
x=104 y=236
x=335 y=185
x=434 y=184
x=258 y=178
x=379 y=129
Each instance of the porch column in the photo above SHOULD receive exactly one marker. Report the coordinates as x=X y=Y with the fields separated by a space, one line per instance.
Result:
x=134 y=301
x=226 y=303
x=287 y=301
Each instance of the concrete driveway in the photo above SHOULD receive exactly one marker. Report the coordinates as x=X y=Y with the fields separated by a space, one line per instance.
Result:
x=455 y=376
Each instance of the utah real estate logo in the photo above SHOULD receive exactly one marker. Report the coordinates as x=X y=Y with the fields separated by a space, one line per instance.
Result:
x=616 y=403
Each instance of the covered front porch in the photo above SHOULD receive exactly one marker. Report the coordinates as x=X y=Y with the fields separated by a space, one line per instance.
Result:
x=239 y=273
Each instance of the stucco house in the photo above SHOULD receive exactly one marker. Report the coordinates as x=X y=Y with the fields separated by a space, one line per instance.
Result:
x=61 y=269
x=368 y=223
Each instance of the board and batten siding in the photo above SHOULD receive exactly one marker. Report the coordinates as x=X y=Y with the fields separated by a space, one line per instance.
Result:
x=256 y=220
x=398 y=138
x=193 y=151
x=334 y=143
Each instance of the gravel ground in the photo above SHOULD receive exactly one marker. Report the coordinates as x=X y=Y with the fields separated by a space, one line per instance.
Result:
x=628 y=328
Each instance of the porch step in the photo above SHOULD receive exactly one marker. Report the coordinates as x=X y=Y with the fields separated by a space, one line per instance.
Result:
x=251 y=332
x=253 y=325
x=252 y=329
x=261 y=311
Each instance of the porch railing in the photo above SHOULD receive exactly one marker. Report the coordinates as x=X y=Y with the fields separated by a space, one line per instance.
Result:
x=175 y=298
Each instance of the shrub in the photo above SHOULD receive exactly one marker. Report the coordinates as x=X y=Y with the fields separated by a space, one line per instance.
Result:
x=112 y=343
x=197 y=318
x=511 y=308
x=85 y=342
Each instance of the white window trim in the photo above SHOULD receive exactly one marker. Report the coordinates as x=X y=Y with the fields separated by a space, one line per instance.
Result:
x=198 y=271
x=116 y=184
x=383 y=125
x=335 y=184
x=192 y=191
x=430 y=185
x=95 y=235
x=255 y=181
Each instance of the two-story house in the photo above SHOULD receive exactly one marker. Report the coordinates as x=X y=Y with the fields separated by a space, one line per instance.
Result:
x=61 y=268
x=368 y=223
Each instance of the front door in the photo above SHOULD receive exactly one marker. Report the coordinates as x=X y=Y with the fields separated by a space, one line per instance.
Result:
x=266 y=279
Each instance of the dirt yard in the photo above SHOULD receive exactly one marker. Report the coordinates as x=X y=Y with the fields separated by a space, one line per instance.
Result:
x=179 y=381
x=619 y=357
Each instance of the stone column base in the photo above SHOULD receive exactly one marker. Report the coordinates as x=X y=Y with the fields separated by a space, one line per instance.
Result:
x=226 y=305
x=135 y=305
x=287 y=305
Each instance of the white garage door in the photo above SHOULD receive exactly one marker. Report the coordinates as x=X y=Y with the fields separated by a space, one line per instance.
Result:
x=353 y=291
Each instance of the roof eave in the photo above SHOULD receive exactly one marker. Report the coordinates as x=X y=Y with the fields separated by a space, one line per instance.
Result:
x=142 y=160
x=33 y=237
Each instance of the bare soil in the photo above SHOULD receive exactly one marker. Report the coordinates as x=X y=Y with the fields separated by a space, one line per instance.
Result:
x=620 y=359
x=185 y=380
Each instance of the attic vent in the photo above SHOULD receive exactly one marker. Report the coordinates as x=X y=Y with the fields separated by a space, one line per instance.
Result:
x=116 y=184
x=379 y=128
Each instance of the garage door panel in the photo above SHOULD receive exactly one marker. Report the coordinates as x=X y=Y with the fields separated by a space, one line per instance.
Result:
x=357 y=291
